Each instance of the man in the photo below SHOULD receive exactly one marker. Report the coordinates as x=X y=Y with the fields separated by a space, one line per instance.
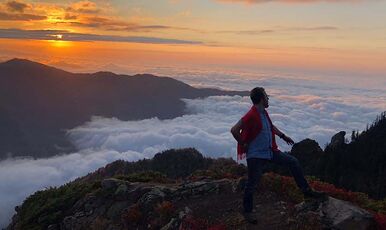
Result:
x=255 y=135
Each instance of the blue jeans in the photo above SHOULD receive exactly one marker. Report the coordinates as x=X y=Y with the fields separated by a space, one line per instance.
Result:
x=255 y=170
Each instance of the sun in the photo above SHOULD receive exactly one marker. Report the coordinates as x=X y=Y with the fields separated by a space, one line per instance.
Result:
x=58 y=41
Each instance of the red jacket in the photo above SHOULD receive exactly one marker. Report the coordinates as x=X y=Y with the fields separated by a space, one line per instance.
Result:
x=251 y=127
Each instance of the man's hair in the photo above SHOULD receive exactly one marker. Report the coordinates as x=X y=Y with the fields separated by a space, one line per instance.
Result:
x=257 y=94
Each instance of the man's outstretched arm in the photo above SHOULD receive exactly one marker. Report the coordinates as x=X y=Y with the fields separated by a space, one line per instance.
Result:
x=283 y=136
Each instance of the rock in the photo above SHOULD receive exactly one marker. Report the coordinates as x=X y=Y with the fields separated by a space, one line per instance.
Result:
x=308 y=152
x=338 y=214
x=149 y=199
x=69 y=222
x=136 y=191
x=347 y=216
x=79 y=214
x=115 y=210
x=121 y=191
x=239 y=185
x=184 y=213
x=173 y=224
x=337 y=140
x=53 y=227
x=111 y=183
x=199 y=188
x=90 y=203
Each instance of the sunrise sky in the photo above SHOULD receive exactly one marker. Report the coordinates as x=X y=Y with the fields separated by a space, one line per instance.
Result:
x=338 y=36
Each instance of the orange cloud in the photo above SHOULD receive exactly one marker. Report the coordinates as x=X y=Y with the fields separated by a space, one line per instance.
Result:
x=16 y=11
x=77 y=15
x=20 y=17
x=16 y=6
x=86 y=7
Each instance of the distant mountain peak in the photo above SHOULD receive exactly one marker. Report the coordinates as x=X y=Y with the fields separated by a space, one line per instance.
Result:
x=27 y=65
x=19 y=61
x=104 y=74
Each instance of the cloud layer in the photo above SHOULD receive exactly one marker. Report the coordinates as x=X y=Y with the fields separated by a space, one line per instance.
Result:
x=301 y=108
x=68 y=36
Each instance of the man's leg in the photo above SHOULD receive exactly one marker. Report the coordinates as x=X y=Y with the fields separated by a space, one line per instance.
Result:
x=293 y=164
x=255 y=170
x=297 y=172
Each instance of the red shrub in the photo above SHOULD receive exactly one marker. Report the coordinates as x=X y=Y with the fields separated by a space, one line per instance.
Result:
x=132 y=215
x=165 y=209
x=192 y=223
x=217 y=227
x=380 y=219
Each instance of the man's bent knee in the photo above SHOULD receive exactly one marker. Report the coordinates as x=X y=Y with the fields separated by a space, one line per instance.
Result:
x=294 y=161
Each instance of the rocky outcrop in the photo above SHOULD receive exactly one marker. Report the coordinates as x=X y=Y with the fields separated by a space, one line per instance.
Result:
x=337 y=140
x=113 y=206
x=120 y=204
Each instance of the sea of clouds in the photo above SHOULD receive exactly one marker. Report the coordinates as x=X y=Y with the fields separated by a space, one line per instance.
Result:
x=300 y=107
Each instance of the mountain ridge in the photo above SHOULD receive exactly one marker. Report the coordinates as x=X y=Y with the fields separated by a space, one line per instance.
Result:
x=44 y=101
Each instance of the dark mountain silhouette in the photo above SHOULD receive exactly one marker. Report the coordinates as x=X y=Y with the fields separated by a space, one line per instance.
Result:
x=38 y=103
x=361 y=164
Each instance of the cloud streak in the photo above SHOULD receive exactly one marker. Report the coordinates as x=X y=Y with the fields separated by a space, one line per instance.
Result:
x=287 y=1
x=68 y=36
x=111 y=24
x=21 y=17
x=282 y=29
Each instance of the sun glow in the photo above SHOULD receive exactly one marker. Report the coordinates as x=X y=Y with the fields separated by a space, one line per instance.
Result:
x=60 y=43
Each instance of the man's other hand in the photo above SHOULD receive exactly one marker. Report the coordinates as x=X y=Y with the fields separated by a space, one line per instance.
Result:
x=288 y=140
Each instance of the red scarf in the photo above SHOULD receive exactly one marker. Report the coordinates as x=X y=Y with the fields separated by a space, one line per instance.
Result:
x=251 y=127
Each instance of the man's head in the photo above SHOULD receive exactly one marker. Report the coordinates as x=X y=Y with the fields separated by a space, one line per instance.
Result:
x=259 y=97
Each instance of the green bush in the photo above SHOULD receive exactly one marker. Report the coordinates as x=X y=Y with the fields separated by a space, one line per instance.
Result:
x=146 y=176
x=50 y=206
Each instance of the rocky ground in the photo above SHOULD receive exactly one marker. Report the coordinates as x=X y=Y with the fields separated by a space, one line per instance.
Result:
x=201 y=204
x=181 y=189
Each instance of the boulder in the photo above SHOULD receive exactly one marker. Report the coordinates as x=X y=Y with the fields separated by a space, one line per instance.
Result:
x=338 y=214
x=308 y=152
x=337 y=140
x=111 y=183
x=200 y=188
x=149 y=199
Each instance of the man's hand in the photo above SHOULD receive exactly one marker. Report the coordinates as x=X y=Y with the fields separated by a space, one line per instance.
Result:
x=245 y=145
x=283 y=136
x=288 y=140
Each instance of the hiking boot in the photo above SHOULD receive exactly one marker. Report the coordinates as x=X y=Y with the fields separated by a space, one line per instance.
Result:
x=310 y=193
x=250 y=217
